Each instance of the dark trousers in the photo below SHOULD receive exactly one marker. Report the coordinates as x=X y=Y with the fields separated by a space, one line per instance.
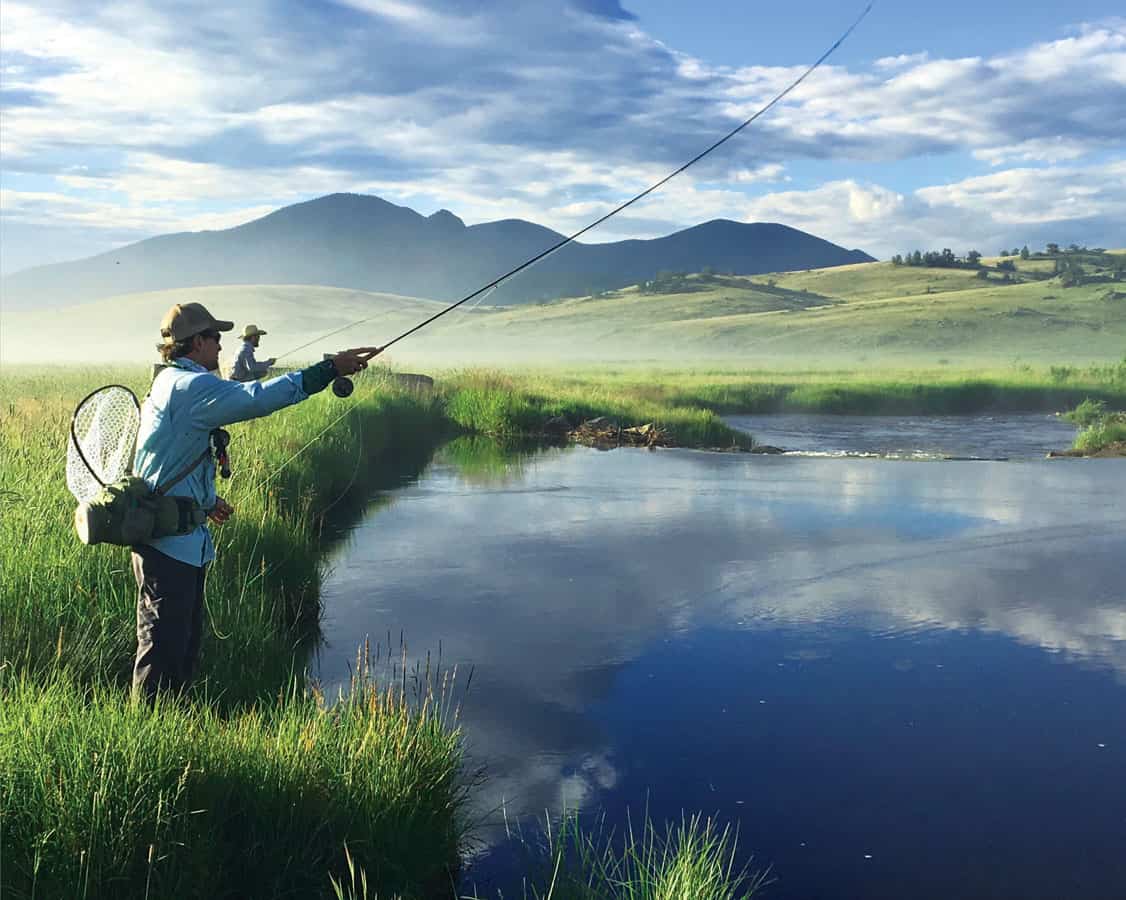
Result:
x=169 y=621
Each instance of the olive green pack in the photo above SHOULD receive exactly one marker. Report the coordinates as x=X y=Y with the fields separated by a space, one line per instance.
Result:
x=129 y=512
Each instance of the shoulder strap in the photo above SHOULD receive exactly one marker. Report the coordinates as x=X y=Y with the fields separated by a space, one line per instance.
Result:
x=162 y=489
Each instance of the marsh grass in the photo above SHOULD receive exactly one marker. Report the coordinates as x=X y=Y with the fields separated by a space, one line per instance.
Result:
x=694 y=858
x=250 y=786
x=105 y=798
x=876 y=392
x=1102 y=433
x=509 y=404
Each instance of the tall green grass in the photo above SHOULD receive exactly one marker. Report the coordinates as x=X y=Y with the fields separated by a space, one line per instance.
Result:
x=249 y=787
x=106 y=798
x=693 y=859
x=507 y=404
x=1103 y=433
x=919 y=392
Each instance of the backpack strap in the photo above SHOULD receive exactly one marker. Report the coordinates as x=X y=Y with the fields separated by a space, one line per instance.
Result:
x=162 y=489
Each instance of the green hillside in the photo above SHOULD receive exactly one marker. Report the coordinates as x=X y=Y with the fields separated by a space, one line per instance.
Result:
x=867 y=313
x=859 y=315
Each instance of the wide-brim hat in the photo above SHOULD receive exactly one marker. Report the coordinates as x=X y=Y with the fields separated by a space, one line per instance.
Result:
x=185 y=320
x=251 y=331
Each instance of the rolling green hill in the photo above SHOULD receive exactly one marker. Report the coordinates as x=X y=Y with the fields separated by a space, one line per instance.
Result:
x=864 y=315
x=871 y=313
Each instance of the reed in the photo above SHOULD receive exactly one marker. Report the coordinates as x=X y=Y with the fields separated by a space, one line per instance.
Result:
x=695 y=857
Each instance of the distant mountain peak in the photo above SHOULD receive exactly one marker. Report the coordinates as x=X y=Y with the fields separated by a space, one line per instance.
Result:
x=446 y=219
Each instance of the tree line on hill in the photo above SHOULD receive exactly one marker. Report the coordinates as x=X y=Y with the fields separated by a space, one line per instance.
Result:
x=1068 y=263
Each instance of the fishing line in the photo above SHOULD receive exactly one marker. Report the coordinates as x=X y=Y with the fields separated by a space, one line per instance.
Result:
x=567 y=240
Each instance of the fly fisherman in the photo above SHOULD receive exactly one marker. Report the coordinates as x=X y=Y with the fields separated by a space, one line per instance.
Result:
x=246 y=367
x=185 y=404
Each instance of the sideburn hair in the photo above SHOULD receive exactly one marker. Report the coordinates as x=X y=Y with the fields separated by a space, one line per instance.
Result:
x=169 y=352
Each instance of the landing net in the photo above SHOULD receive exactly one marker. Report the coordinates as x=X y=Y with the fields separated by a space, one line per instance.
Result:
x=103 y=434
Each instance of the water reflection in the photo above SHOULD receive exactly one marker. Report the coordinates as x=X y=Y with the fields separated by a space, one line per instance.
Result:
x=636 y=618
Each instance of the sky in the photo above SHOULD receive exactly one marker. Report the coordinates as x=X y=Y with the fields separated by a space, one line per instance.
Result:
x=970 y=126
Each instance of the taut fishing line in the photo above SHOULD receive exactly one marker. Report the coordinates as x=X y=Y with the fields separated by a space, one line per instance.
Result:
x=567 y=240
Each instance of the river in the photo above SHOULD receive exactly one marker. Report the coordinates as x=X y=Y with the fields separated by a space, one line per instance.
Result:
x=896 y=678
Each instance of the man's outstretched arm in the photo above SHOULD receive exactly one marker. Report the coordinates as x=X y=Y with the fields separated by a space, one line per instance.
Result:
x=218 y=402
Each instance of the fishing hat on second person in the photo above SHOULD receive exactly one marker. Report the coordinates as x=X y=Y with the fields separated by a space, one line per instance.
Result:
x=185 y=320
x=251 y=331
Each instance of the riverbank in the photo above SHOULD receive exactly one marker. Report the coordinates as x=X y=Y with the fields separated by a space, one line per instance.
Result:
x=1103 y=432
x=880 y=391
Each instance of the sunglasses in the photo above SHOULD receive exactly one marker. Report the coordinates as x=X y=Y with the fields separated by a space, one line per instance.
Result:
x=212 y=335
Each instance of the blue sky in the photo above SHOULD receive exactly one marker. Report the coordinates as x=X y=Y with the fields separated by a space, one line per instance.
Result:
x=961 y=125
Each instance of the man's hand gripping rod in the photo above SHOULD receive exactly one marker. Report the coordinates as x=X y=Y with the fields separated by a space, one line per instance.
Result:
x=349 y=362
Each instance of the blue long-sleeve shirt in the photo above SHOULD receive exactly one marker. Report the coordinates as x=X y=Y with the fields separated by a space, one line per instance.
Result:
x=185 y=403
x=246 y=367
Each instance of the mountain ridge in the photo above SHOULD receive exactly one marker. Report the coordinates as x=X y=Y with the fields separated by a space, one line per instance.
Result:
x=364 y=242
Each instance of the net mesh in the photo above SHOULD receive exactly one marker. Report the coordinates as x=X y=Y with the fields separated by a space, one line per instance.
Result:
x=105 y=425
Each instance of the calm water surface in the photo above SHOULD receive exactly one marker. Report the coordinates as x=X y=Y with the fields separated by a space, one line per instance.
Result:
x=898 y=679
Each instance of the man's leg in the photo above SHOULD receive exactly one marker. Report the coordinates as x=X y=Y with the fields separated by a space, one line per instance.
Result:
x=195 y=631
x=169 y=599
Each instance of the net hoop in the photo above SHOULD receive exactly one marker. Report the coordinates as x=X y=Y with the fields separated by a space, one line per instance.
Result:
x=106 y=448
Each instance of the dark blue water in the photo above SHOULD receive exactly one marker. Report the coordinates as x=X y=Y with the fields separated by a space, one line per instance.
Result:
x=897 y=679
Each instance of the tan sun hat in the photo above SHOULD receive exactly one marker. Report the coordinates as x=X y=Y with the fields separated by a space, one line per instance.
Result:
x=185 y=320
x=251 y=331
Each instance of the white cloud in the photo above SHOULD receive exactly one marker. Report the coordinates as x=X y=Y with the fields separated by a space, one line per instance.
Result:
x=769 y=172
x=901 y=61
x=1051 y=150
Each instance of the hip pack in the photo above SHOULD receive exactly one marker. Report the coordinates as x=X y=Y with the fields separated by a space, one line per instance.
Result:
x=129 y=512
x=115 y=506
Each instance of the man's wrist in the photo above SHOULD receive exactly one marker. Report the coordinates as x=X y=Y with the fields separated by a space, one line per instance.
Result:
x=317 y=377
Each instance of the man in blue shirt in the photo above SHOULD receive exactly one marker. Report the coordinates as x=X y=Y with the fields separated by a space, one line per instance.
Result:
x=186 y=403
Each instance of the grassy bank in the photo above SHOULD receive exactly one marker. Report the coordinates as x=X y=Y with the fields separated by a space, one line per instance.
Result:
x=508 y=405
x=103 y=798
x=1104 y=431
x=684 y=398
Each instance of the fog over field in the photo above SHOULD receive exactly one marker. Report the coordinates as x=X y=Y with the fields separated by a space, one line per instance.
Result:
x=859 y=316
